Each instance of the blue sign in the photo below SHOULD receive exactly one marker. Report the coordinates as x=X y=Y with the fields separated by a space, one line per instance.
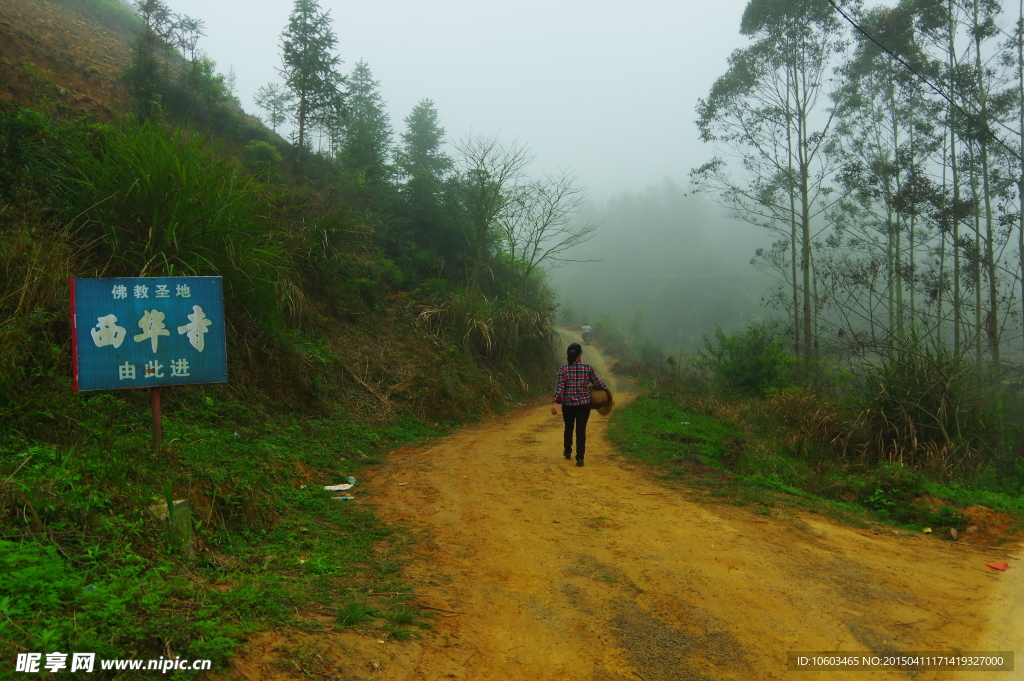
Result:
x=145 y=332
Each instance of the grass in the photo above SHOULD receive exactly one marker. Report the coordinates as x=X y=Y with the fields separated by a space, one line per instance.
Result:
x=85 y=566
x=756 y=465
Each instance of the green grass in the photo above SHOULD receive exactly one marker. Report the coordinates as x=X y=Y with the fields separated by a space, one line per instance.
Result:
x=85 y=566
x=720 y=462
x=658 y=431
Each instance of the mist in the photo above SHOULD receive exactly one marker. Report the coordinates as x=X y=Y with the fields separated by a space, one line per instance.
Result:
x=594 y=87
x=665 y=266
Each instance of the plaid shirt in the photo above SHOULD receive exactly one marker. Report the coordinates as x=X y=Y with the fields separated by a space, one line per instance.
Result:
x=573 y=387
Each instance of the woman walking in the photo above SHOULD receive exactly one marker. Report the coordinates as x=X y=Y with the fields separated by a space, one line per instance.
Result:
x=572 y=391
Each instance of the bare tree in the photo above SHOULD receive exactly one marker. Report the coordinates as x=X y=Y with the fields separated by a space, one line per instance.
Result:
x=489 y=177
x=537 y=228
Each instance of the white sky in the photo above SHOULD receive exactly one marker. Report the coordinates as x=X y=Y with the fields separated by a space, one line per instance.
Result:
x=607 y=89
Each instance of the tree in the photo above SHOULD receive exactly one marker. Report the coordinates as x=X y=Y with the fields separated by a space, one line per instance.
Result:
x=884 y=139
x=537 y=228
x=424 y=166
x=366 y=146
x=276 y=101
x=186 y=33
x=145 y=75
x=488 y=179
x=764 y=110
x=309 y=68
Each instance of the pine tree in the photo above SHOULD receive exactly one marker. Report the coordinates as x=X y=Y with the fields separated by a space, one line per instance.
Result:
x=146 y=75
x=424 y=166
x=309 y=67
x=367 y=143
x=276 y=101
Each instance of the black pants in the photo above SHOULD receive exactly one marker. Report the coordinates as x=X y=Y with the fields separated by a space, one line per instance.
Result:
x=576 y=416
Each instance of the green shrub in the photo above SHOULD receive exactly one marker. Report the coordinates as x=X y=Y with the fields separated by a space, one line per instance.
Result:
x=261 y=159
x=750 y=363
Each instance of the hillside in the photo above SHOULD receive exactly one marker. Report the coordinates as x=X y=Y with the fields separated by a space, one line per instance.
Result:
x=85 y=57
x=345 y=339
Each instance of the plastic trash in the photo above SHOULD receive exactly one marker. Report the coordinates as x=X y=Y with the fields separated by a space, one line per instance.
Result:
x=684 y=423
x=337 y=488
x=351 y=480
x=345 y=498
x=927 y=530
x=999 y=566
x=91 y=587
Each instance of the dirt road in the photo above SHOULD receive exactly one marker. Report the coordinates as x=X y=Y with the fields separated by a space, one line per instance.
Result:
x=540 y=570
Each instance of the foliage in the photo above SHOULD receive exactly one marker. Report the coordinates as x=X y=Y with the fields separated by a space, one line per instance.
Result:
x=749 y=363
x=308 y=65
x=923 y=408
x=20 y=132
x=366 y=147
x=261 y=159
x=166 y=203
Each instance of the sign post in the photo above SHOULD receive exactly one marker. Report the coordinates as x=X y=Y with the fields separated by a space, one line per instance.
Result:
x=158 y=435
x=181 y=337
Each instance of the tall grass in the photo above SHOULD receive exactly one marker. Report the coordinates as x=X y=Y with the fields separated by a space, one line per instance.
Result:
x=498 y=330
x=915 y=406
x=161 y=202
x=922 y=406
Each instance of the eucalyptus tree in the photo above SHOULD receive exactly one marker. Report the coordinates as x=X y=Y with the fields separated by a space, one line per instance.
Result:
x=309 y=67
x=982 y=167
x=768 y=113
x=885 y=139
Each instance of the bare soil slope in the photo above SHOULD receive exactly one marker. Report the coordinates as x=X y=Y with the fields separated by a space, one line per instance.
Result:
x=541 y=570
x=84 y=59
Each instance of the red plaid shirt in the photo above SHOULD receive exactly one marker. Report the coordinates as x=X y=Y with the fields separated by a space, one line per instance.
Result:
x=573 y=387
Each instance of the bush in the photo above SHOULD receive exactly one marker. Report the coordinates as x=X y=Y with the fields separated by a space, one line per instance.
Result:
x=751 y=363
x=261 y=159
x=922 y=406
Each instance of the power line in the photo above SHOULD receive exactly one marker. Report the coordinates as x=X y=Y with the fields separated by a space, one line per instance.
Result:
x=927 y=82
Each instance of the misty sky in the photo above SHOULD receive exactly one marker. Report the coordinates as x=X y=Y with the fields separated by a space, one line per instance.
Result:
x=605 y=88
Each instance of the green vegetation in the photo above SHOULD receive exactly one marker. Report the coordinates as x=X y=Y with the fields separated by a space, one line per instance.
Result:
x=355 y=324
x=86 y=565
x=750 y=363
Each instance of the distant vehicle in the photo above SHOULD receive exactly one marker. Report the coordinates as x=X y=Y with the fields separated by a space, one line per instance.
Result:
x=588 y=333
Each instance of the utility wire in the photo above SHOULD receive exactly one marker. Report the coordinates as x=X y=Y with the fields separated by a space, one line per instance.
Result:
x=927 y=82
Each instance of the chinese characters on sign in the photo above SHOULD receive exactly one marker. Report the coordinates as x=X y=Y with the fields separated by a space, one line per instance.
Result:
x=180 y=340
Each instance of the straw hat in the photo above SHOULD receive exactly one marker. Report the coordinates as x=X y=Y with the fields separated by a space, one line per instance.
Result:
x=601 y=400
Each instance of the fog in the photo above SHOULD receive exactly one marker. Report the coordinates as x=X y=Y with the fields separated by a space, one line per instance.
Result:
x=605 y=88
x=668 y=268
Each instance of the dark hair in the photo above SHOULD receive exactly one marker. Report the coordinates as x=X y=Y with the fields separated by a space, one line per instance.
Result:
x=573 y=353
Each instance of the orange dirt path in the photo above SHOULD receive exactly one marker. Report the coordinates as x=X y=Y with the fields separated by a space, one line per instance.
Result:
x=541 y=570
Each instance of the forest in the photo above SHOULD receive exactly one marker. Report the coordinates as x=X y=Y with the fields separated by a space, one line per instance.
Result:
x=882 y=148
x=826 y=317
